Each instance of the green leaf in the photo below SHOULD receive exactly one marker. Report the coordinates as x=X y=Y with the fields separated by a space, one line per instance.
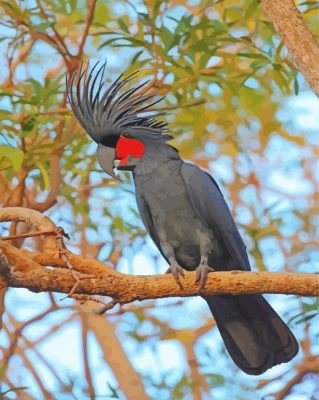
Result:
x=119 y=224
x=144 y=17
x=307 y=317
x=45 y=176
x=123 y=25
x=3 y=111
x=37 y=90
x=114 y=394
x=303 y=317
x=14 y=156
x=43 y=26
x=108 y=42
x=215 y=379
x=296 y=85
x=28 y=124
x=218 y=25
x=280 y=78
x=73 y=4
x=250 y=10
x=11 y=9
x=136 y=56
x=254 y=55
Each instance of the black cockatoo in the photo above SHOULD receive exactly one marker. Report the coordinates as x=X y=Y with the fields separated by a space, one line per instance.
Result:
x=183 y=211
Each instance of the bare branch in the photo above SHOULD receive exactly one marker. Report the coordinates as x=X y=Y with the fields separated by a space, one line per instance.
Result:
x=27 y=235
x=88 y=22
x=27 y=273
x=307 y=366
x=85 y=352
x=130 y=381
x=20 y=268
x=301 y=43
x=35 y=219
x=55 y=182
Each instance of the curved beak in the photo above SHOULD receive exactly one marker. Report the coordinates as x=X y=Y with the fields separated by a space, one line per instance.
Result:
x=105 y=156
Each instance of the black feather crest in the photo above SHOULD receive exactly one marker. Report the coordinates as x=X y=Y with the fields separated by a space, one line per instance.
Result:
x=105 y=110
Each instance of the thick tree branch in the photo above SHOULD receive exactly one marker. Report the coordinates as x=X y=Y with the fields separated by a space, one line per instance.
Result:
x=22 y=272
x=33 y=271
x=33 y=218
x=298 y=39
x=130 y=381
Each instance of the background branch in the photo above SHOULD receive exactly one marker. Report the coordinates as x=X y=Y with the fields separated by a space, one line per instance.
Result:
x=298 y=39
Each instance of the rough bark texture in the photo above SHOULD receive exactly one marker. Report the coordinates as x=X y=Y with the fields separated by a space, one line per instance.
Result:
x=33 y=271
x=300 y=42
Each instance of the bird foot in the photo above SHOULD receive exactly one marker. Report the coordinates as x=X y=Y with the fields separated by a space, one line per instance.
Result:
x=176 y=270
x=201 y=275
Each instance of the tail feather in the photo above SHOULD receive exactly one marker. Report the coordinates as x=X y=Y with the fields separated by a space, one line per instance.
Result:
x=255 y=336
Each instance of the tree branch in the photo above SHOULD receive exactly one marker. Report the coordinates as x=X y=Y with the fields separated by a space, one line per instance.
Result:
x=130 y=381
x=298 y=39
x=33 y=218
x=33 y=271
x=88 y=22
x=307 y=366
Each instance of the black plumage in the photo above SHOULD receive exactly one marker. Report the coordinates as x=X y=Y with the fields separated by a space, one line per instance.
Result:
x=178 y=204
x=185 y=214
x=108 y=111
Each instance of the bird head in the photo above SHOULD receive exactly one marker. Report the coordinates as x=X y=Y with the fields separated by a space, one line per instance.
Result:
x=120 y=120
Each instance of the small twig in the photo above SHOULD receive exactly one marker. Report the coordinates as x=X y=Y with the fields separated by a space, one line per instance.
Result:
x=77 y=276
x=88 y=22
x=83 y=298
x=58 y=231
x=61 y=110
x=306 y=366
x=29 y=234
x=86 y=359
x=36 y=220
x=58 y=37
x=188 y=105
x=108 y=306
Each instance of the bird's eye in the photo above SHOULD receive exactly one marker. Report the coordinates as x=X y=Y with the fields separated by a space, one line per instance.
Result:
x=127 y=135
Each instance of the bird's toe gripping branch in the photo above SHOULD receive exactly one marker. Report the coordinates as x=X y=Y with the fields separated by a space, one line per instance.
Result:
x=201 y=275
x=176 y=270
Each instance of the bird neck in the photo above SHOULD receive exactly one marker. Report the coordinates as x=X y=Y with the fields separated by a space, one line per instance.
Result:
x=154 y=156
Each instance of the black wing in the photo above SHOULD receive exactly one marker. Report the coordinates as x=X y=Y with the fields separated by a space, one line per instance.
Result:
x=213 y=212
x=148 y=221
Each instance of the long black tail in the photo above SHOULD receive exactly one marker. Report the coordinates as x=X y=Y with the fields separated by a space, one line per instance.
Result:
x=255 y=336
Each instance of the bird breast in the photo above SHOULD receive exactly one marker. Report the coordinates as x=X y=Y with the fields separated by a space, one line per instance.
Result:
x=174 y=217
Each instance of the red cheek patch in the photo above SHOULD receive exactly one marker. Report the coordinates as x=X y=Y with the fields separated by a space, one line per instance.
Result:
x=128 y=147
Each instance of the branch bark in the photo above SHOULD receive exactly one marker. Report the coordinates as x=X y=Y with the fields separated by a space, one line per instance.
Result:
x=298 y=39
x=33 y=271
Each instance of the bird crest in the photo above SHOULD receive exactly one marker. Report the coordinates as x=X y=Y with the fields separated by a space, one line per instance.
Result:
x=107 y=111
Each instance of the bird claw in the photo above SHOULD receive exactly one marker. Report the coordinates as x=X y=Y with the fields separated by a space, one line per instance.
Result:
x=201 y=275
x=176 y=270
